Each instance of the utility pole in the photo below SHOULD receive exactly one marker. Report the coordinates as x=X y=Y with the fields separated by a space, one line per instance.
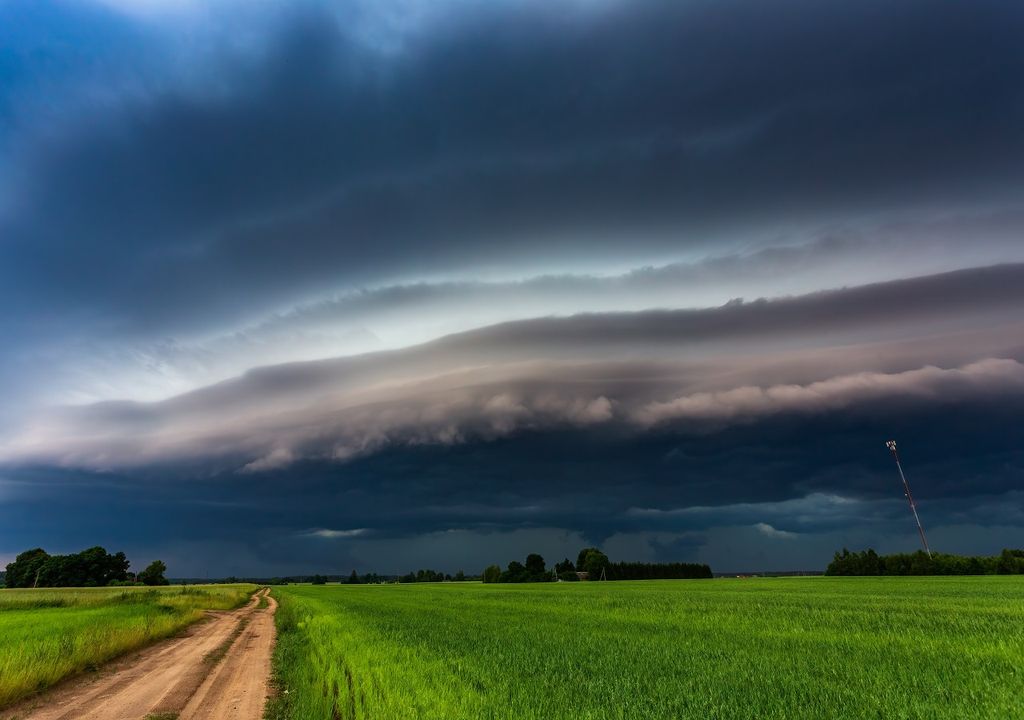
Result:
x=910 y=498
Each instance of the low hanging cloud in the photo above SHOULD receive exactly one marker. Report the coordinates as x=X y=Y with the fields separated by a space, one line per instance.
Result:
x=467 y=416
x=328 y=534
x=745 y=403
x=769 y=531
x=420 y=416
x=948 y=338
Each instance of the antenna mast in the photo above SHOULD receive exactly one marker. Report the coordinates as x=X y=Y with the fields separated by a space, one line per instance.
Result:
x=910 y=498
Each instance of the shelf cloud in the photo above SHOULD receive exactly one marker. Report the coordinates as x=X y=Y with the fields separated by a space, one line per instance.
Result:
x=835 y=350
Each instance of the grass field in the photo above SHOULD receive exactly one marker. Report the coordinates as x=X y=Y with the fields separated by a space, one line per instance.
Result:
x=760 y=648
x=46 y=635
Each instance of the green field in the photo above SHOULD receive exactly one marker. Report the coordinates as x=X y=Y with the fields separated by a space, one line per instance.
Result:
x=46 y=635
x=760 y=648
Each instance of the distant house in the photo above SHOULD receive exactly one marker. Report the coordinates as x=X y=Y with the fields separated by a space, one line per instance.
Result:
x=582 y=575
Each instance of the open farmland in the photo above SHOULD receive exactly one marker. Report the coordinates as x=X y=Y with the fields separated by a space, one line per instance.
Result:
x=46 y=635
x=760 y=648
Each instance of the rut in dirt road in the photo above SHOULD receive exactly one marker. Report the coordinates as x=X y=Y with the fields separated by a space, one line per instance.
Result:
x=217 y=669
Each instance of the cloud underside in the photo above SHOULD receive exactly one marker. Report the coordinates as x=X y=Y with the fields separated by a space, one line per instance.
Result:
x=497 y=137
x=947 y=339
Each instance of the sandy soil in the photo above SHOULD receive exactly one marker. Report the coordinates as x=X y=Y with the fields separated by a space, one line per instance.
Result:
x=216 y=669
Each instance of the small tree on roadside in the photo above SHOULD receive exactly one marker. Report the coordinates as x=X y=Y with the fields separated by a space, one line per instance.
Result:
x=154 y=574
x=353 y=579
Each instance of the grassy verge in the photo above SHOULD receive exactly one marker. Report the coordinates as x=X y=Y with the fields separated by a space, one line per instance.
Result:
x=768 y=648
x=47 y=635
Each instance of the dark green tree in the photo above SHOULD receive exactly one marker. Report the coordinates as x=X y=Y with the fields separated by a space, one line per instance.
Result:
x=1011 y=562
x=593 y=563
x=535 y=566
x=26 y=568
x=492 y=574
x=564 y=567
x=353 y=579
x=581 y=559
x=154 y=573
x=515 y=573
x=92 y=567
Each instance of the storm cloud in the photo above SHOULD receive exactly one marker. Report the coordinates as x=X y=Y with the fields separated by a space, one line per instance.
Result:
x=863 y=345
x=424 y=283
x=631 y=130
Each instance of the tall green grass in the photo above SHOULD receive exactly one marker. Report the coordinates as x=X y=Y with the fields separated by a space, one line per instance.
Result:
x=46 y=635
x=766 y=648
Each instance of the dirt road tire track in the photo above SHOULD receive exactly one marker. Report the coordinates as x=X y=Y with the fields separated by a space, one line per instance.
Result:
x=185 y=675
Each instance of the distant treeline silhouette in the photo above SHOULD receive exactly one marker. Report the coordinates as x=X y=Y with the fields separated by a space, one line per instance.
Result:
x=94 y=567
x=592 y=564
x=354 y=578
x=426 y=576
x=868 y=562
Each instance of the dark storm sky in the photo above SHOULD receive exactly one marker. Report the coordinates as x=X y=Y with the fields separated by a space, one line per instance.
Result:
x=291 y=287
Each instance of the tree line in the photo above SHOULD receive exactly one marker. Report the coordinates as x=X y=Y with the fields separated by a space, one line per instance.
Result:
x=868 y=562
x=431 y=576
x=374 y=579
x=595 y=565
x=94 y=567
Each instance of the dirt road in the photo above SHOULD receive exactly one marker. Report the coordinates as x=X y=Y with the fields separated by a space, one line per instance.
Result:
x=216 y=669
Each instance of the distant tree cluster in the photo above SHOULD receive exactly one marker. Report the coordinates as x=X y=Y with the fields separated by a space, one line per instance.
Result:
x=868 y=562
x=534 y=570
x=89 y=568
x=432 y=576
x=657 y=571
x=154 y=574
x=368 y=579
x=354 y=578
x=596 y=565
x=94 y=567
